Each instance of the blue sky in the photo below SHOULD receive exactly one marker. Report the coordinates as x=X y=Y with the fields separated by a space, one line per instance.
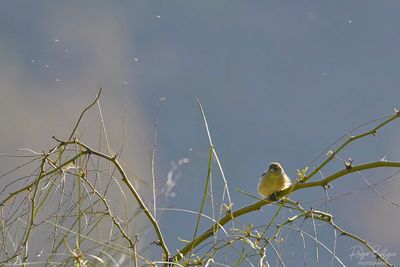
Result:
x=278 y=80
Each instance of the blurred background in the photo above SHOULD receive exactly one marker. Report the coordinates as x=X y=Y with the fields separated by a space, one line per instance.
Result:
x=278 y=81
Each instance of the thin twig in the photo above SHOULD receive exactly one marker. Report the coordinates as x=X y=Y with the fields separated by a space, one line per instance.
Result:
x=226 y=189
x=351 y=139
x=204 y=195
x=153 y=159
x=326 y=217
x=132 y=244
x=84 y=111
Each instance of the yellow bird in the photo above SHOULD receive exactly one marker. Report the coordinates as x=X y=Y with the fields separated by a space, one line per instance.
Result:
x=272 y=181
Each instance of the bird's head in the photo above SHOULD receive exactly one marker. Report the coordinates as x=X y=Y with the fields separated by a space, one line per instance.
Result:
x=275 y=167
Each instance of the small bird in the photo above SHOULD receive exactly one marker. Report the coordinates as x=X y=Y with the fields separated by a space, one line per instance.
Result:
x=272 y=181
